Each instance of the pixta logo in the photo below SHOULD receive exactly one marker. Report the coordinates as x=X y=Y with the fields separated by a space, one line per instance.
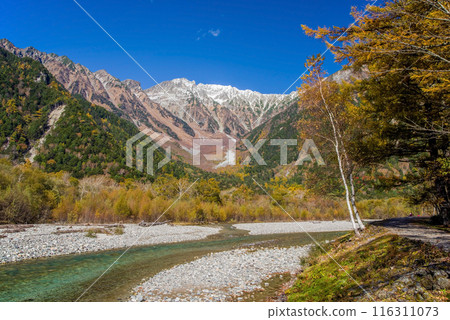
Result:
x=149 y=144
x=308 y=148
x=145 y=143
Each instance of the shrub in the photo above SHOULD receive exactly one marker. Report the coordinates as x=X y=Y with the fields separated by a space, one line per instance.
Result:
x=118 y=231
x=208 y=191
x=91 y=234
x=121 y=207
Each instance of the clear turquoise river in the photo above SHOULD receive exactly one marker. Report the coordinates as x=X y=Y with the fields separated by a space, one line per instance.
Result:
x=64 y=278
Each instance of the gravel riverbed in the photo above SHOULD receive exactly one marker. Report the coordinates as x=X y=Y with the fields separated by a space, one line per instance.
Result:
x=295 y=227
x=222 y=276
x=46 y=240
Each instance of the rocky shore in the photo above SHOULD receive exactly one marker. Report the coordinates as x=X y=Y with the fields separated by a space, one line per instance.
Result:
x=222 y=276
x=21 y=242
x=295 y=227
x=44 y=240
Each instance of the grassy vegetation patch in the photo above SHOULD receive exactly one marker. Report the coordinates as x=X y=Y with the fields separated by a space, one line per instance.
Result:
x=386 y=266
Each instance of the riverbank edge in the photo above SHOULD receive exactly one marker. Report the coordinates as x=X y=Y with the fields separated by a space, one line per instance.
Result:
x=379 y=266
x=85 y=232
x=263 y=227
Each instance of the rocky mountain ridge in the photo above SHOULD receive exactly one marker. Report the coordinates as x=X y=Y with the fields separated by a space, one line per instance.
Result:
x=180 y=108
x=235 y=111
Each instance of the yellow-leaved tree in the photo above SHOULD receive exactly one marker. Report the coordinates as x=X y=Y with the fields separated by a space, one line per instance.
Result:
x=403 y=46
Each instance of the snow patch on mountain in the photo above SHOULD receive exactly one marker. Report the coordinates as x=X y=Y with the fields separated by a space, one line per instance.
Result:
x=249 y=107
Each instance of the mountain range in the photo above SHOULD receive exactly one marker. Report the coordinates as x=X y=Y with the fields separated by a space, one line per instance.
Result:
x=179 y=108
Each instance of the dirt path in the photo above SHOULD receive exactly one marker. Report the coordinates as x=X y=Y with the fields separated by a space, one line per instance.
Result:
x=416 y=228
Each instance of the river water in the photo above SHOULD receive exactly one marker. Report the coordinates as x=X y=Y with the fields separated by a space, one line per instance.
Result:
x=65 y=278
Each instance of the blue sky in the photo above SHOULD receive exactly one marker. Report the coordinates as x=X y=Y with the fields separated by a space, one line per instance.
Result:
x=257 y=45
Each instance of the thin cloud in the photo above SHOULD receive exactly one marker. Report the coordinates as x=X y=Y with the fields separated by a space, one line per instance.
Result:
x=214 y=33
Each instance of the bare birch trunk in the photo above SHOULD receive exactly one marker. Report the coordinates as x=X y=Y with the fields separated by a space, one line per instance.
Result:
x=353 y=201
x=347 y=193
x=352 y=185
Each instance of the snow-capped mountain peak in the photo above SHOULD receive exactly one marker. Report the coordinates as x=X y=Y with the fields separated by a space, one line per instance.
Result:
x=248 y=108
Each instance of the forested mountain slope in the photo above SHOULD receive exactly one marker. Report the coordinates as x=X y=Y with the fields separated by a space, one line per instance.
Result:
x=84 y=139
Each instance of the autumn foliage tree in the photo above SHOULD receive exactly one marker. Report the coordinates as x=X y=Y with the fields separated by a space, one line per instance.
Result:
x=328 y=106
x=404 y=47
